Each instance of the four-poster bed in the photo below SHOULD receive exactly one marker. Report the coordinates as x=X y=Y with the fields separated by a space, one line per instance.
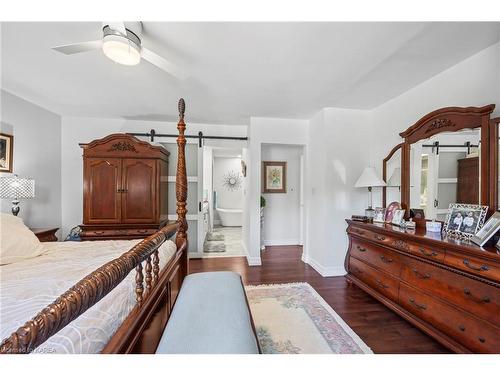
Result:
x=156 y=288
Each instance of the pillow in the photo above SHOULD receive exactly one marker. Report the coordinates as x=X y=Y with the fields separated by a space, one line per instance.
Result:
x=17 y=241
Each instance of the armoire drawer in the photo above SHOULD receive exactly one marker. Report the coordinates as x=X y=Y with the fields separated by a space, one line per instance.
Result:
x=473 y=333
x=484 y=268
x=382 y=282
x=474 y=296
x=384 y=259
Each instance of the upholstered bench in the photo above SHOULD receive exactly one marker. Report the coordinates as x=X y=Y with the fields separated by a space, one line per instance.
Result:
x=211 y=316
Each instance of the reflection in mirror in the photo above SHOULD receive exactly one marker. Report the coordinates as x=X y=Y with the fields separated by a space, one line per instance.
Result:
x=393 y=177
x=445 y=169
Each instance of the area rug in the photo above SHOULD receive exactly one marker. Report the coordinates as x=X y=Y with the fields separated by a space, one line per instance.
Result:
x=214 y=247
x=294 y=319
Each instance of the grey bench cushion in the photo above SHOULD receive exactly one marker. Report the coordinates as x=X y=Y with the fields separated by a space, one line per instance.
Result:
x=210 y=316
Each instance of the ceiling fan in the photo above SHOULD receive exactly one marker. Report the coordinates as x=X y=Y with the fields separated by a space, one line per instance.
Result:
x=121 y=42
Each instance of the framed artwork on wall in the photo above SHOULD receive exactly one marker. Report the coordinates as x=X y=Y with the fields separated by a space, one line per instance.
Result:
x=274 y=176
x=6 y=152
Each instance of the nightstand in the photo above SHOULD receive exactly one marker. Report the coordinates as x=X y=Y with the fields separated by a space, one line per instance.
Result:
x=45 y=234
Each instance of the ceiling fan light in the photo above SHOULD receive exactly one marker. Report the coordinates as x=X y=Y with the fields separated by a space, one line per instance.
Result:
x=121 y=51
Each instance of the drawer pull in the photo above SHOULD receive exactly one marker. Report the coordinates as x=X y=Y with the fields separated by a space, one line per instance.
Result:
x=380 y=283
x=482 y=339
x=485 y=299
x=356 y=270
x=461 y=328
x=421 y=275
x=476 y=268
x=358 y=231
x=385 y=260
x=379 y=237
x=362 y=249
x=421 y=307
x=99 y=232
x=427 y=253
x=142 y=230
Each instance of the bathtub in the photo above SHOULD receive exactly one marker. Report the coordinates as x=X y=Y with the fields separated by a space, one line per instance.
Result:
x=230 y=217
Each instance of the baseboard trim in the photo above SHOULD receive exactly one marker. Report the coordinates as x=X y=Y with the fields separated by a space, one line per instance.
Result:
x=324 y=271
x=282 y=242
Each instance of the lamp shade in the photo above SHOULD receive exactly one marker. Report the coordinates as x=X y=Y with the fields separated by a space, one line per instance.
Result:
x=395 y=179
x=15 y=187
x=369 y=178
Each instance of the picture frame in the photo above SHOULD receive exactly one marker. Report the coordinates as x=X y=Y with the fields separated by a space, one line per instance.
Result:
x=488 y=230
x=274 y=177
x=391 y=208
x=464 y=220
x=398 y=217
x=6 y=152
x=379 y=216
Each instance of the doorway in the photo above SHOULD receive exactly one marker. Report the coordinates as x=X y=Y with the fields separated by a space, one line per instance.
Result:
x=222 y=200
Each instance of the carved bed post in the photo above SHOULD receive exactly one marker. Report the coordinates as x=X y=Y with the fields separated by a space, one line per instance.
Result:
x=181 y=184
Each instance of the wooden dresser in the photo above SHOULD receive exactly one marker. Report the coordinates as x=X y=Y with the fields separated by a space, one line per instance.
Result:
x=449 y=289
x=124 y=188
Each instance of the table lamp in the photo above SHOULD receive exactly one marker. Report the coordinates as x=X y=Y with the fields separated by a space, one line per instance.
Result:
x=369 y=179
x=395 y=179
x=16 y=188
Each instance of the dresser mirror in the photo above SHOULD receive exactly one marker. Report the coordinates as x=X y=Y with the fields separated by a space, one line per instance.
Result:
x=447 y=158
x=391 y=174
x=444 y=169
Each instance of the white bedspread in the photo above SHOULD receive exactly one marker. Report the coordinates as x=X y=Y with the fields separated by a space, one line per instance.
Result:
x=28 y=286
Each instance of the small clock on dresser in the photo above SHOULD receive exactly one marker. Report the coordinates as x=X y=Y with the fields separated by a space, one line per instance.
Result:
x=45 y=234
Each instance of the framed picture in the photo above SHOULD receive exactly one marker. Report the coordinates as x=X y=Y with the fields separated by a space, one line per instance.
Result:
x=274 y=176
x=417 y=213
x=464 y=220
x=488 y=230
x=379 y=215
x=6 y=152
x=389 y=213
x=398 y=217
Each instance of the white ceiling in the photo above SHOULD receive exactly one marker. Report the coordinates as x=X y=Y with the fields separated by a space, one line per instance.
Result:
x=237 y=70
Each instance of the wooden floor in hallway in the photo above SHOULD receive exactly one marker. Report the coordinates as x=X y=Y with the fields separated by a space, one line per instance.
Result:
x=381 y=329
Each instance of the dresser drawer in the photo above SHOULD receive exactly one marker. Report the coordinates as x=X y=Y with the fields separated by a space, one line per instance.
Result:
x=140 y=232
x=474 y=296
x=374 y=255
x=372 y=236
x=484 y=268
x=473 y=333
x=425 y=252
x=382 y=282
x=100 y=233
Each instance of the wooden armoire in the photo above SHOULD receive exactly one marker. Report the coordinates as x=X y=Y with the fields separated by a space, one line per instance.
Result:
x=124 y=188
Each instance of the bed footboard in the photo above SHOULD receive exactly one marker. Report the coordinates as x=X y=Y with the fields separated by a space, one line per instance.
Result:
x=155 y=290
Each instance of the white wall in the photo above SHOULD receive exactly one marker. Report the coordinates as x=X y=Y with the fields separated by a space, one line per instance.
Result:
x=77 y=130
x=338 y=152
x=227 y=198
x=282 y=225
x=37 y=154
x=265 y=130
x=473 y=82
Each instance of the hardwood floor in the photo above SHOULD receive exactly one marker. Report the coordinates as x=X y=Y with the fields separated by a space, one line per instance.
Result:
x=381 y=329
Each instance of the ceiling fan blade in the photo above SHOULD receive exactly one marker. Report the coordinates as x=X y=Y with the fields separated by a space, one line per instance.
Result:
x=118 y=26
x=70 y=49
x=163 y=64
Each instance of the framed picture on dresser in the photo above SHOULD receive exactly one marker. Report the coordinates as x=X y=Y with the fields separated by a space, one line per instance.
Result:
x=489 y=229
x=464 y=220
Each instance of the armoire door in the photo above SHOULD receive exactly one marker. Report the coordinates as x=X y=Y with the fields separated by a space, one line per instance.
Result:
x=102 y=182
x=139 y=191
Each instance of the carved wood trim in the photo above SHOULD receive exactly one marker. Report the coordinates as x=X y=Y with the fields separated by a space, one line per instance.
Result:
x=446 y=119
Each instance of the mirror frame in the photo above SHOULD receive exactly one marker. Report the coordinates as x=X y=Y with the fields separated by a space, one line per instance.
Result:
x=494 y=133
x=384 y=171
x=452 y=119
